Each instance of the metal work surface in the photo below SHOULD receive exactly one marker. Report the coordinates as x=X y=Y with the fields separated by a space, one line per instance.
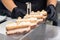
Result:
x=39 y=30
x=42 y=32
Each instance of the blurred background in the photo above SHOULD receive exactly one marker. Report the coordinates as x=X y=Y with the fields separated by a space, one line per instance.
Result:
x=58 y=11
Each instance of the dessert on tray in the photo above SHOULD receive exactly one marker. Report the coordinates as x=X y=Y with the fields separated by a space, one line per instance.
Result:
x=27 y=23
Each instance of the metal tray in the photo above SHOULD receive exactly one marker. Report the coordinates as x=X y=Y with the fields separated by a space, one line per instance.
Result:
x=18 y=36
x=39 y=33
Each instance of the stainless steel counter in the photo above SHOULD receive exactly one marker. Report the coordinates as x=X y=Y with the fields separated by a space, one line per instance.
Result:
x=51 y=32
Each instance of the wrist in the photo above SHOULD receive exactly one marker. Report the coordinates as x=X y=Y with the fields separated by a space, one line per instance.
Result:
x=51 y=5
x=14 y=9
x=51 y=12
x=11 y=9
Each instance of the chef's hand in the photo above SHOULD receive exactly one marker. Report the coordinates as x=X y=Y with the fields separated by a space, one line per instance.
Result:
x=51 y=12
x=16 y=12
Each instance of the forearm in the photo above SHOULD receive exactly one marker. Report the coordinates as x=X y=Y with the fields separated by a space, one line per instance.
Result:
x=53 y=2
x=9 y=4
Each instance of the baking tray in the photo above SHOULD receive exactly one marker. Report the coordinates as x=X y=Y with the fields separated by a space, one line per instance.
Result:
x=38 y=33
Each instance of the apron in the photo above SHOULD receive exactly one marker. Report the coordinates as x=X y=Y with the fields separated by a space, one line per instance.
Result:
x=36 y=4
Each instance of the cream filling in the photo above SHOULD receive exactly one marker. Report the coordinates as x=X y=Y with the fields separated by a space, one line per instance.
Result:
x=11 y=24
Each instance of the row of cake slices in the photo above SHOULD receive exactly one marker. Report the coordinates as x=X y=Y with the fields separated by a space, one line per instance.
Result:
x=29 y=22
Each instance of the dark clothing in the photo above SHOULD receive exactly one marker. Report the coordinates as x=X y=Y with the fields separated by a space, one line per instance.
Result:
x=36 y=4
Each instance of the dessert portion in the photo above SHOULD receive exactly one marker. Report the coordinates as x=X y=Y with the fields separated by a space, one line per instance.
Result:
x=10 y=26
x=22 y=27
x=39 y=14
x=27 y=23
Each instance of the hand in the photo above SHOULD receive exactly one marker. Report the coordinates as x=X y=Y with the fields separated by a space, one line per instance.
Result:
x=51 y=12
x=18 y=12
